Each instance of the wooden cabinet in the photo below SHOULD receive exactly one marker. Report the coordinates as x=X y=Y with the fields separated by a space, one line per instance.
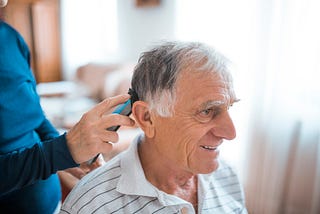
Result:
x=39 y=23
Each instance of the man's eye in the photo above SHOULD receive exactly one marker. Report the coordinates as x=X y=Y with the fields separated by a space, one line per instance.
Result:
x=206 y=115
x=206 y=112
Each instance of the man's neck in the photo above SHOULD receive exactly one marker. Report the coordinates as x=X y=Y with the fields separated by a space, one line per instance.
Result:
x=167 y=176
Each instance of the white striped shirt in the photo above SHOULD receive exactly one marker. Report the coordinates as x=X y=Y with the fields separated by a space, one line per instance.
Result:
x=120 y=186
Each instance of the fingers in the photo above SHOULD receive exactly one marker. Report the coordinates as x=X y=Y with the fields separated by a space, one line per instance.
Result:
x=76 y=172
x=105 y=148
x=109 y=136
x=105 y=106
x=90 y=135
x=110 y=120
x=89 y=167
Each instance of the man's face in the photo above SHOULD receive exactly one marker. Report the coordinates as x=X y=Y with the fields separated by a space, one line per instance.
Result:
x=189 y=140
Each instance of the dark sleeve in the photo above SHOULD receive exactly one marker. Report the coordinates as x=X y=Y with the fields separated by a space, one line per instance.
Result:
x=25 y=166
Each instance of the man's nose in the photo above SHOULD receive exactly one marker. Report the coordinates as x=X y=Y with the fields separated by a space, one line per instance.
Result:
x=224 y=127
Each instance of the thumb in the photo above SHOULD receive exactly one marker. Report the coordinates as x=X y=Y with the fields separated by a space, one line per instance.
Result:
x=106 y=105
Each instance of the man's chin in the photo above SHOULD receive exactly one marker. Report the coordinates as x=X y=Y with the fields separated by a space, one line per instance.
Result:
x=3 y=3
x=213 y=167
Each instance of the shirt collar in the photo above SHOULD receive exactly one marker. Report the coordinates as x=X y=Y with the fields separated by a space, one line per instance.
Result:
x=133 y=180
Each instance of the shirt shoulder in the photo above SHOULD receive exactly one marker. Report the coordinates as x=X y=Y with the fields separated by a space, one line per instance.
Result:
x=223 y=192
x=94 y=188
x=14 y=39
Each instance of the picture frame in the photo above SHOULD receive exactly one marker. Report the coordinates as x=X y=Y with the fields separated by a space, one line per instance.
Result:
x=147 y=3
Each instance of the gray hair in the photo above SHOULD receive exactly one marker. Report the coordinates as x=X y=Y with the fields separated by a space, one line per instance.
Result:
x=157 y=71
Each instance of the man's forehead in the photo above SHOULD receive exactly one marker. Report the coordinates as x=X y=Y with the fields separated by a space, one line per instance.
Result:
x=216 y=77
x=199 y=83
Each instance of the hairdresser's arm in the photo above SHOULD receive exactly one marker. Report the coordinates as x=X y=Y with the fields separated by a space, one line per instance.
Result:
x=84 y=141
x=25 y=166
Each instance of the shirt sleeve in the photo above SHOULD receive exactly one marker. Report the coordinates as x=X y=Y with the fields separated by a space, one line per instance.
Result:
x=24 y=167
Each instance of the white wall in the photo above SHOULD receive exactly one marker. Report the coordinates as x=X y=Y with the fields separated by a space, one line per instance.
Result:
x=111 y=31
x=140 y=27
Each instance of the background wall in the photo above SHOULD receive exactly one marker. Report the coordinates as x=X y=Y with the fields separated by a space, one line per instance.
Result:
x=141 y=27
x=111 y=31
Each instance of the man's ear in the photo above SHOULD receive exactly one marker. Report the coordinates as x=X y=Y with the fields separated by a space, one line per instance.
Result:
x=143 y=117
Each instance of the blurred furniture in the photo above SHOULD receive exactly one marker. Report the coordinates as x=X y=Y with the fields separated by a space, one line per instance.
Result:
x=64 y=102
x=105 y=80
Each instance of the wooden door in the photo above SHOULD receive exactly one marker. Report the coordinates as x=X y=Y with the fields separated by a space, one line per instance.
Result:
x=39 y=23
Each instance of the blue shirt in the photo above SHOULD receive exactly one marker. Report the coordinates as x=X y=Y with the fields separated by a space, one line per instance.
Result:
x=30 y=147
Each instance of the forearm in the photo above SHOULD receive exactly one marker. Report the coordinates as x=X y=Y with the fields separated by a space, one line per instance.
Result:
x=24 y=167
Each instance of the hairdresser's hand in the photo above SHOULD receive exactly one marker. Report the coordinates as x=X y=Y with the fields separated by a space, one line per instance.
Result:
x=90 y=135
x=85 y=168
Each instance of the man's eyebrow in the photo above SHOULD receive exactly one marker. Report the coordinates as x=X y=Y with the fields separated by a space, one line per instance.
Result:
x=218 y=103
x=213 y=103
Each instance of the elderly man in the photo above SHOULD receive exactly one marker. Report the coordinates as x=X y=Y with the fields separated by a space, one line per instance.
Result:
x=184 y=92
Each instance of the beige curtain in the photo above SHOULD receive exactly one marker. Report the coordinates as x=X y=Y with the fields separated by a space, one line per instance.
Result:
x=284 y=148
